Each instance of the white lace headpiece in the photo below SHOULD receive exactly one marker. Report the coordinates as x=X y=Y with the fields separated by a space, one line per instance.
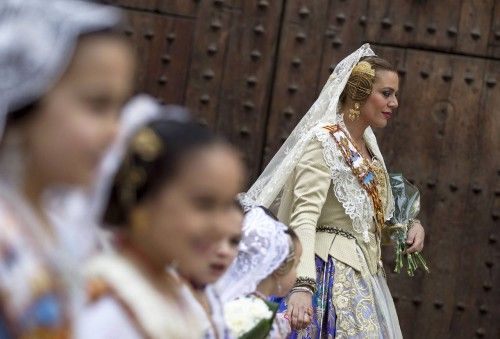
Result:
x=263 y=248
x=37 y=39
x=267 y=189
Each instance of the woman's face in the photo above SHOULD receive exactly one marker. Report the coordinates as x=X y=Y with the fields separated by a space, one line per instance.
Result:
x=380 y=105
x=77 y=119
x=195 y=210
x=222 y=253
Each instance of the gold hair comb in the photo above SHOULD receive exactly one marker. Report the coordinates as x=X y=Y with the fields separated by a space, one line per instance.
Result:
x=364 y=67
x=147 y=144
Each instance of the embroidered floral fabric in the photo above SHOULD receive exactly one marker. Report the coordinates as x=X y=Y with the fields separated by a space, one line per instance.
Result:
x=349 y=305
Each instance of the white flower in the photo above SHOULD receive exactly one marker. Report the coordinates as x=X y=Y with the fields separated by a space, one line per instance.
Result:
x=241 y=315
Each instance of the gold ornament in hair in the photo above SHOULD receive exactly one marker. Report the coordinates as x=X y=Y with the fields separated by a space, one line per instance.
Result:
x=364 y=67
x=146 y=146
x=359 y=86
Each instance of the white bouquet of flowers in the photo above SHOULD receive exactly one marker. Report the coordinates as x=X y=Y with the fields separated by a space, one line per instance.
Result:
x=249 y=317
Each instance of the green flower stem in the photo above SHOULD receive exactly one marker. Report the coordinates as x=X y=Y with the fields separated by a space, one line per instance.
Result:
x=422 y=263
x=414 y=261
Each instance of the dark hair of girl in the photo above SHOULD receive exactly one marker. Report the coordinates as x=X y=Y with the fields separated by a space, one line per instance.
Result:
x=21 y=114
x=292 y=234
x=289 y=261
x=147 y=168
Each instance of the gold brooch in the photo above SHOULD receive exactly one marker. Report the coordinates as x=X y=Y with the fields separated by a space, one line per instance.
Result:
x=147 y=144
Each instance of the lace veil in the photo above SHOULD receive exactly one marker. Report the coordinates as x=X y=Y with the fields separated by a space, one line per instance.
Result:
x=269 y=187
x=263 y=248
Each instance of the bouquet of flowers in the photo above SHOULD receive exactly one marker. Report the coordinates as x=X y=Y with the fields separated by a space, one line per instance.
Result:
x=250 y=317
x=407 y=207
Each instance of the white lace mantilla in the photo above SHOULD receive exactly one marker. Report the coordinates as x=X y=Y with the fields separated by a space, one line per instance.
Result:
x=268 y=188
x=266 y=191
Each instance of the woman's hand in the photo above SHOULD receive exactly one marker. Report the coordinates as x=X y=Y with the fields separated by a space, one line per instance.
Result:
x=415 y=238
x=299 y=310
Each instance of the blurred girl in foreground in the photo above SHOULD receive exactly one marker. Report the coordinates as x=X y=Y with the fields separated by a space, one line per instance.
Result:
x=65 y=76
x=169 y=204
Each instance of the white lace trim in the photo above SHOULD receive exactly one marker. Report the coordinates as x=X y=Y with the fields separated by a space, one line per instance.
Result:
x=358 y=206
x=346 y=187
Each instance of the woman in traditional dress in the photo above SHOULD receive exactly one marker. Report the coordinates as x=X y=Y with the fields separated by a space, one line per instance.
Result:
x=169 y=202
x=65 y=74
x=338 y=199
x=266 y=266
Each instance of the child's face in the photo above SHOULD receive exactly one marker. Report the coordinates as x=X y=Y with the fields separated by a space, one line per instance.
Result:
x=195 y=211
x=223 y=253
x=288 y=280
x=76 y=121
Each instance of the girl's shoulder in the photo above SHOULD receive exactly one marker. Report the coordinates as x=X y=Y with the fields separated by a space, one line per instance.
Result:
x=147 y=309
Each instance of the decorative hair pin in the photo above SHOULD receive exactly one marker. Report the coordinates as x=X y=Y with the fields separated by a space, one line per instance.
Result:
x=364 y=67
x=360 y=86
x=147 y=146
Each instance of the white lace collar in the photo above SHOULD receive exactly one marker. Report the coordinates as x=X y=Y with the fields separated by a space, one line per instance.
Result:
x=355 y=200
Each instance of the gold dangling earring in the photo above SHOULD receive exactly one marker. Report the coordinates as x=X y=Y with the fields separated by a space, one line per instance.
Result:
x=354 y=112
